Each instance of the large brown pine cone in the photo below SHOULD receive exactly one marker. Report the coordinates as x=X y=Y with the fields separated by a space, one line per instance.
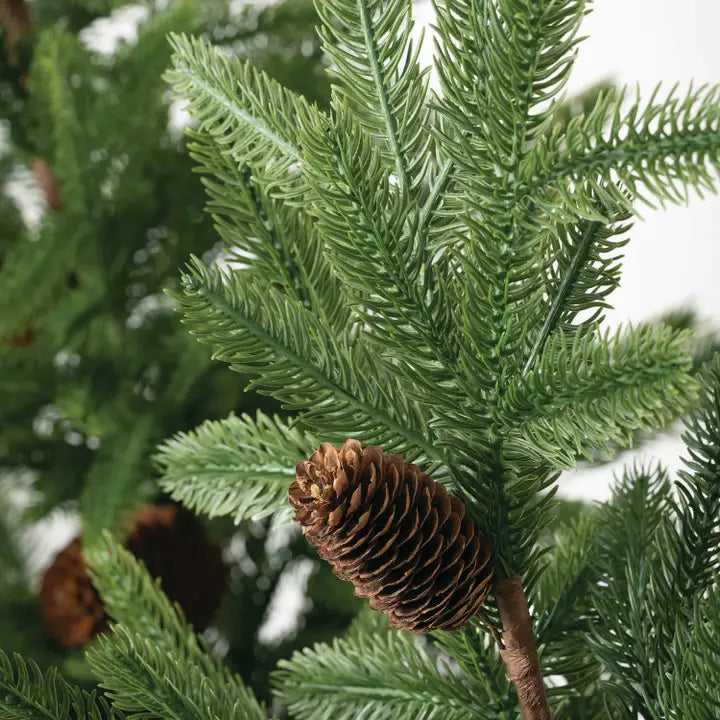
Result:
x=397 y=535
x=171 y=543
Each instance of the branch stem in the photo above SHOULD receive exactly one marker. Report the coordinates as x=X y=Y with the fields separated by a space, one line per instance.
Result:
x=520 y=652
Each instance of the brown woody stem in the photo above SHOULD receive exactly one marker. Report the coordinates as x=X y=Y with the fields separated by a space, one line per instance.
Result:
x=519 y=651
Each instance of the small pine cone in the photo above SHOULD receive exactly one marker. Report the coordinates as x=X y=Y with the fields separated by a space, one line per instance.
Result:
x=70 y=605
x=393 y=532
x=171 y=543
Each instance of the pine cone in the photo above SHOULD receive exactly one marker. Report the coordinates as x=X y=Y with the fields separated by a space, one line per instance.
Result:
x=393 y=532
x=70 y=605
x=171 y=543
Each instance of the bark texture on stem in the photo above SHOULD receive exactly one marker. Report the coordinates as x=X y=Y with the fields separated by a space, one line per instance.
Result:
x=520 y=651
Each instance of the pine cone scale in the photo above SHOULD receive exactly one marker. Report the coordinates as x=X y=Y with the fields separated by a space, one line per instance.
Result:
x=399 y=537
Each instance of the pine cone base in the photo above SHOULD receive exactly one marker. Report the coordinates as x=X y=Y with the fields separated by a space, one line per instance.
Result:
x=398 y=536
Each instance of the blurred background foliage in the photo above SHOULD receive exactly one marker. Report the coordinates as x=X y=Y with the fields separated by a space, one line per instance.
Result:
x=99 y=207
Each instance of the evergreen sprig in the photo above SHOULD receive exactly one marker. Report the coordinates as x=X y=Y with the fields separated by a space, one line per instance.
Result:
x=251 y=117
x=240 y=465
x=477 y=245
x=655 y=151
x=375 y=70
x=435 y=313
x=296 y=355
x=597 y=390
x=378 y=675
x=28 y=693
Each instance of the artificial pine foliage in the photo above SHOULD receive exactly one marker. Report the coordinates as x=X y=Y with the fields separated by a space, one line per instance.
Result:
x=427 y=273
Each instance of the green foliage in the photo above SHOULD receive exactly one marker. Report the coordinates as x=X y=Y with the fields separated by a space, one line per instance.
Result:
x=261 y=230
x=474 y=650
x=428 y=275
x=632 y=586
x=152 y=663
x=599 y=390
x=380 y=675
x=297 y=357
x=477 y=240
x=585 y=271
x=493 y=369
x=252 y=118
x=29 y=694
x=690 y=689
x=94 y=371
x=239 y=465
x=563 y=610
x=657 y=151
x=110 y=484
x=376 y=74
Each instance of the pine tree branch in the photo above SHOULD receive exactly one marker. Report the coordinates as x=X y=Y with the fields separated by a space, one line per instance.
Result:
x=141 y=678
x=247 y=114
x=493 y=126
x=382 y=91
x=499 y=65
x=376 y=72
x=382 y=674
x=152 y=662
x=477 y=654
x=228 y=102
x=258 y=331
x=56 y=54
x=240 y=466
x=27 y=693
x=265 y=236
x=690 y=555
x=562 y=605
x=576 y=398
x=363 y=217
x=627 y=563
x=655 y=150
x=698 y=489
x=691 y=688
